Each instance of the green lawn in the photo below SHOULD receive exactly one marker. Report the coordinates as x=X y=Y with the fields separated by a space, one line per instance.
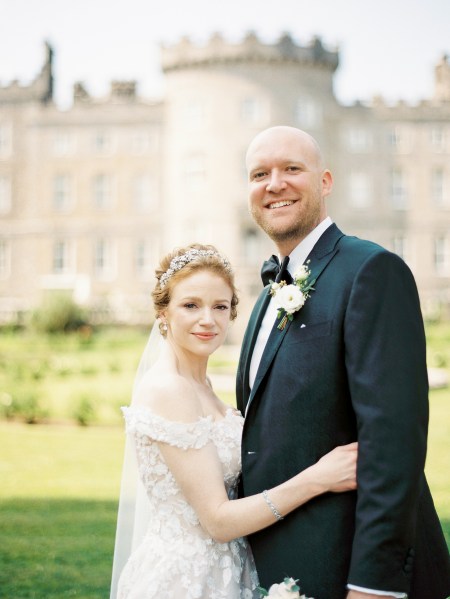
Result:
x=58 y=503
x=60 y=483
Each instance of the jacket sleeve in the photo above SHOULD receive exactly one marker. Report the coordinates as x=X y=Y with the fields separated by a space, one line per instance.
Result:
x=386 y=363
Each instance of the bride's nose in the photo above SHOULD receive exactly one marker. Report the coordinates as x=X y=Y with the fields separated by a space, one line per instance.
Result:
x=206 y=317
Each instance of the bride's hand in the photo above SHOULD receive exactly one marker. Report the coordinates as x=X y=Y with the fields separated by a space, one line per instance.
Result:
x=336 y=470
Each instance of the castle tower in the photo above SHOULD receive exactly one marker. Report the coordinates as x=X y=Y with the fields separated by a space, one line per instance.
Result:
x=218 y=96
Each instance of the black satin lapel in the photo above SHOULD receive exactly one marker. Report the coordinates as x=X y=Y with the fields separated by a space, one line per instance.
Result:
x=324 y=250
x=273 y=343
x=320 y=256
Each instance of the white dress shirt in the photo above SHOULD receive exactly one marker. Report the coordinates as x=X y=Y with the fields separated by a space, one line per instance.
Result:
x=296 y=258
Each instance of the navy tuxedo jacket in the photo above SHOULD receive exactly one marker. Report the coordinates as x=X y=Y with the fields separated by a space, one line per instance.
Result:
x=350 y=366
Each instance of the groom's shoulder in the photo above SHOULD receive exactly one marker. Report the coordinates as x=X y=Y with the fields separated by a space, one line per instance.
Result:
x=361 y=247
x=357 y=251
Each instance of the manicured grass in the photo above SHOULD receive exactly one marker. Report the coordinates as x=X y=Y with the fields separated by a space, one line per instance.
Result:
x=56 y=548
x=60 y=483
x=58 y=507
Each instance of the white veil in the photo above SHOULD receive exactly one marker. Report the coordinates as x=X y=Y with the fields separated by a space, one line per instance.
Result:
x=134 y=508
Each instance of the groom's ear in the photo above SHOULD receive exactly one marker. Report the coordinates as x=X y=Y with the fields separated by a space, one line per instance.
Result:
x=327 y=183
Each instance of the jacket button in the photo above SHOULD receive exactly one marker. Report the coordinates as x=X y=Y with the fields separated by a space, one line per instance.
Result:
x=407 y=568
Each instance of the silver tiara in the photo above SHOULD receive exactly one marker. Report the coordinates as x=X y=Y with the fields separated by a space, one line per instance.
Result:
x=178 y=262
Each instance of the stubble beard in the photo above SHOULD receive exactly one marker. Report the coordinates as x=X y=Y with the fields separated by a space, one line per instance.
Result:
x=295 y=231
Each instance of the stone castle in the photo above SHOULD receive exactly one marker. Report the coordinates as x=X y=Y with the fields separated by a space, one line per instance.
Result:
x=91 y=197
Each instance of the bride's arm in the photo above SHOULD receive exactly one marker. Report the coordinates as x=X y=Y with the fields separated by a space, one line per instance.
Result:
x=199 y=474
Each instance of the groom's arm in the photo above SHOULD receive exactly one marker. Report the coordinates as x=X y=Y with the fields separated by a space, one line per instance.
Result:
x=386 y=364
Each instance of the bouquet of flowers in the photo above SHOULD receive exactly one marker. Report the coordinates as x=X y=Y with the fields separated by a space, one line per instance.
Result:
x=288 y=589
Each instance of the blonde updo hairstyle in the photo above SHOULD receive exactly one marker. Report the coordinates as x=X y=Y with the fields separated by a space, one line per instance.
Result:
x=213 y=262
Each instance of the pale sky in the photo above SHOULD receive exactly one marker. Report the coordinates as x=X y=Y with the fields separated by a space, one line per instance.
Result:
x=387 y=47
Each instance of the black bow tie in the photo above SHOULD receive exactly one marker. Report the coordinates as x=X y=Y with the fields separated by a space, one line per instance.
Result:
x=272 y=271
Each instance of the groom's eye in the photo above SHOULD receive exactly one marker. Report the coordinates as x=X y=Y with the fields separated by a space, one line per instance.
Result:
x=258 y=175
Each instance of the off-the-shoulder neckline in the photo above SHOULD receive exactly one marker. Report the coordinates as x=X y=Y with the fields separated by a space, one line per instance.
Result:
x=233 y=412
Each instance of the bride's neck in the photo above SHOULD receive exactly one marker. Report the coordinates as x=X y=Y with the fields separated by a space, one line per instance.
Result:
x=188 y=365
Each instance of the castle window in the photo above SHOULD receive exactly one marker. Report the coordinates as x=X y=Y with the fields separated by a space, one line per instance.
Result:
x=439 y=138
x=5 y=195
x=360 y=189
x=63 y=143
x=251 y=247
x=144 y=191
x=400 y=140
x=144 y=141
x=5 y=140
x=252 y=112
x=102 y=142
x=440 y=194
x=102 y=191
x=62 y=194
x=442 y=255
x=61 y=257
x=308 y=113
x=104 y=259
x=400 y=246
x=398 y=191
x=358 y=140
x=143 y=258
x=5 y=259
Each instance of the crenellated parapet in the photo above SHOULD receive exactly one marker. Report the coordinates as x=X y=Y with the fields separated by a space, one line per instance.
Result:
x=39 y=90
x=217 y=50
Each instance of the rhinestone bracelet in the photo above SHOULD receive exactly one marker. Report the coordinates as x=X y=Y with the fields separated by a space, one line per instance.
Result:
x=274 y=510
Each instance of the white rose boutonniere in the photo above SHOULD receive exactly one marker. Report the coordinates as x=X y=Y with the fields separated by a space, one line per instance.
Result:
x=288 y=589
x=290 y=298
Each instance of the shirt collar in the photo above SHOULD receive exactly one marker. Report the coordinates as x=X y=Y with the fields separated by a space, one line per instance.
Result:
x=299 y=254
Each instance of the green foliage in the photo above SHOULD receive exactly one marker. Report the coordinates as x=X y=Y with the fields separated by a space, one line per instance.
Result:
x=59 y=369
x=58 y=313
x=84 y=411
x=26 y=406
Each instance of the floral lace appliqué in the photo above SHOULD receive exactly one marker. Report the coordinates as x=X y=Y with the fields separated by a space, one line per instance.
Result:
x=177 y=559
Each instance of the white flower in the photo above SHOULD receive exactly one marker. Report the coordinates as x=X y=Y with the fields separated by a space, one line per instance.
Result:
x=301 y=274
x=289 y=298
x=286 y=590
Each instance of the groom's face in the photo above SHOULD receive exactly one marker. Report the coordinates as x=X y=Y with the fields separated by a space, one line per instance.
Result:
x=287 y=185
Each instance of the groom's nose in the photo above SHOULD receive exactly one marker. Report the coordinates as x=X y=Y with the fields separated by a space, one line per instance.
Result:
x=276 y=181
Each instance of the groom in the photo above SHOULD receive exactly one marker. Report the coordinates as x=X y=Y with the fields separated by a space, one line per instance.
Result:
x=349 y=366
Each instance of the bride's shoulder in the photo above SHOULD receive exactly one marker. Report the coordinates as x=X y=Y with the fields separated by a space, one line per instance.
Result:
x=168 y=395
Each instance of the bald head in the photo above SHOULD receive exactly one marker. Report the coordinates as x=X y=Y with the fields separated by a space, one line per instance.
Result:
x=283 y=135
x=288 y=185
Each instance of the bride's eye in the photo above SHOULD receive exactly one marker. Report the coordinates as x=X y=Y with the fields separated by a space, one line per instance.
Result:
x=222 y=307
x=190 y=305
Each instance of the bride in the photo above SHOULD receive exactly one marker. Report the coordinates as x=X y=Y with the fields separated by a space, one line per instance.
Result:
x=187 y=444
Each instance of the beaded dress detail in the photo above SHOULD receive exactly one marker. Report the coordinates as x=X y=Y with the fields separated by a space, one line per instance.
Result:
x=177 y=559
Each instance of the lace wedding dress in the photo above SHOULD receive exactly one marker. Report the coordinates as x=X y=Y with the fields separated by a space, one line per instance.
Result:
x=177 y=559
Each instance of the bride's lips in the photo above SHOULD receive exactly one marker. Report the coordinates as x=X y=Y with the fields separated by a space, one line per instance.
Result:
x=205 y=336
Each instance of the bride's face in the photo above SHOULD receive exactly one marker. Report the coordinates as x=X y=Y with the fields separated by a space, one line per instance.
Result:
x=198 y=314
